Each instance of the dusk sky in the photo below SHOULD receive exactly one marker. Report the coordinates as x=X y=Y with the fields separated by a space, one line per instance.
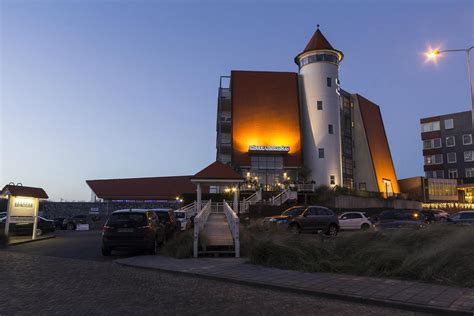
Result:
x=115 y=89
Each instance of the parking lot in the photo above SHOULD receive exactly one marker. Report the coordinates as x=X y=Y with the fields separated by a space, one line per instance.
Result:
x=72 y=244
x=73 y=277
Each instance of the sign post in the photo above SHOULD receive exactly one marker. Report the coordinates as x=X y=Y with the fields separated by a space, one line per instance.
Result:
x=23 y=205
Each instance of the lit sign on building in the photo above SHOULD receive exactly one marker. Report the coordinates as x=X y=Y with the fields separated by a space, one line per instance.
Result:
x=270 y=148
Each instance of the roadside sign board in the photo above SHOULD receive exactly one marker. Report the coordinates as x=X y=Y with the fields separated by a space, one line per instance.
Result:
x=94 y=211
x=22 y=209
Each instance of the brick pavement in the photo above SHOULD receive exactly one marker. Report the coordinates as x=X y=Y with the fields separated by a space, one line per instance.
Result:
x=45 y=285
x=404 y=294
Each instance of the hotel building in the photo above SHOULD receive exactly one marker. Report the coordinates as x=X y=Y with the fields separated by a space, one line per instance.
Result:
x=280 y=126
x=448 y=150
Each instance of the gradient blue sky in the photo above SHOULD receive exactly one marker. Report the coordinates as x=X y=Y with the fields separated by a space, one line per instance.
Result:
x=93 y=89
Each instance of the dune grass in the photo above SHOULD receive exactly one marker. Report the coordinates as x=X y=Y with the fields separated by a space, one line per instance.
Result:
x=441 y=254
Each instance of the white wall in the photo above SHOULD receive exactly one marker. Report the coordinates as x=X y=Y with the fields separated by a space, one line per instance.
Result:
x=313 y=88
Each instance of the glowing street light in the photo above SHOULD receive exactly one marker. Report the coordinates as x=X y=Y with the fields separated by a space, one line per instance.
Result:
x=433 y=54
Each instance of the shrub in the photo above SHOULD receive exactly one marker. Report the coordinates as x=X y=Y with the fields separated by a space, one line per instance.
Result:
x=439 y=253
x=181 y=246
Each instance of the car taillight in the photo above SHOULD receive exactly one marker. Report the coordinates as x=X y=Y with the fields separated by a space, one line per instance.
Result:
x=107 y=228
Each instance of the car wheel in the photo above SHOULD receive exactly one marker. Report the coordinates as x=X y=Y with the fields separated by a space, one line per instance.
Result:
x=332 y=231
x=295 y=229
x=70 y=226
x=39 y=232
x=365 y=226
x=106 y=251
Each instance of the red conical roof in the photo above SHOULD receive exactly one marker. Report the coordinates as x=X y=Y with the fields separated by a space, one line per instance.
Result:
x=318 y=42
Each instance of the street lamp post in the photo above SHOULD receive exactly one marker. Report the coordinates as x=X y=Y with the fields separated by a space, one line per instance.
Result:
x=433 y=54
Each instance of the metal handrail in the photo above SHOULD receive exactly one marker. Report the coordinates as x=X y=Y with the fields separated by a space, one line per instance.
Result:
x=234 y=225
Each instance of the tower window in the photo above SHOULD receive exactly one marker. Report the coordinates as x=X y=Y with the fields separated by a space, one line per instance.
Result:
x=332 y=179
x=319 y=105
x=321 y=153
x=329 y=81
x=330 y=129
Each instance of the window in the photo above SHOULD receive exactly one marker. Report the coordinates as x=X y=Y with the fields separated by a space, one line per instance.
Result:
x=330 y=129
x=362 y=186
x=432 y=143
x=321 y=152
x=434 y=159
x=329 y=81
x=450 y=141
x=438 y=174
x=448 y=124
x=451 y=157
x=467 y=139
x=319 y=105
x=332 y=179
x=430 y=127
x=467 y=215
x=469 y=172
x=266 y=162
x=469 y=155
x=452 y=173
x=388 y=187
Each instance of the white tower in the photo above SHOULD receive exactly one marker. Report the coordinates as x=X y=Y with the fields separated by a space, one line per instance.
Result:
x=320 y=110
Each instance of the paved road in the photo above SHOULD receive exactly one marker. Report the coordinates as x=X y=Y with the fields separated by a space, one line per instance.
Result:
x=46 y=277
x=72 y=244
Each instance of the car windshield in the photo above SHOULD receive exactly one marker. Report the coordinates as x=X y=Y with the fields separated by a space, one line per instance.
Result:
x=294 y=211
x=180 y=214
x=117 y=218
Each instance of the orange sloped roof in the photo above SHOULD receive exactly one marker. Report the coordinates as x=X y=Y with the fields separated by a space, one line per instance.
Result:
x=218 y=171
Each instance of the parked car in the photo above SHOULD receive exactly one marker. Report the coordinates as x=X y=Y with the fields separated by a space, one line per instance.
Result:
x=182 y=218
x=464 y=217
x=166 y=216
x=58 y=222
x=441 y=215
x=70 y=223
x=44 y=226
x=354 y=220
x=311 y=219
x=400 y=219
x=132 y=228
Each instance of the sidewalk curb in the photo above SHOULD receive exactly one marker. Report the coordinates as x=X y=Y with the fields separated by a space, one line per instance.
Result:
x=343 y=297
x=30 y=241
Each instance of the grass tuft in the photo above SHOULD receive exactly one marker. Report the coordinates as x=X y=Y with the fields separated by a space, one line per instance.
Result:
x=441 y=254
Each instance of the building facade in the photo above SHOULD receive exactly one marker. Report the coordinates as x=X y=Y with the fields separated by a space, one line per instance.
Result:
x=448 y=148
x=283 y=126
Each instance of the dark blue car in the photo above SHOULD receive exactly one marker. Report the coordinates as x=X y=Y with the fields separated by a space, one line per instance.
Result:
x=464 y=217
